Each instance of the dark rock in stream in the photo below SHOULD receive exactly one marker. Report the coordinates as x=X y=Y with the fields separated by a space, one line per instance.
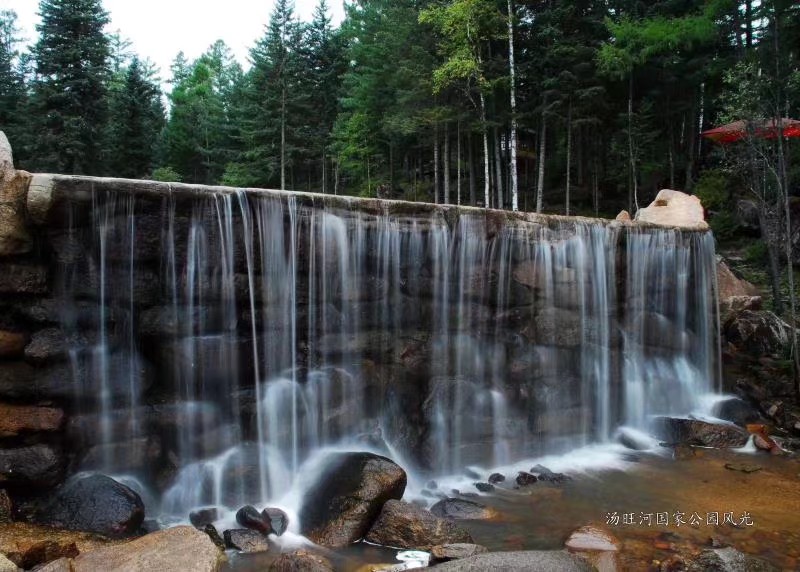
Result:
x=213 y=534
x=204 y=516
x=736 y=411
x=694 y=432
x=250 y=518
x=96 y=503
x=278 y=519
x=484 y=487
x=495 y=478
x=546 y=475
x=404 y=525
x=524 y=479
x=347 y=497
x=246 y=540
x=38 y=466
x=727 y=560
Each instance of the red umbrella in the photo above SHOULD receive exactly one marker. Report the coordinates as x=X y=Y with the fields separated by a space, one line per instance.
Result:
x=765 y=129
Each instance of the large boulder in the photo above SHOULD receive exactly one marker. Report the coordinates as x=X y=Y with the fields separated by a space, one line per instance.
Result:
x=730 y=285
x=6 y=565
x=404 y=525
x=246 y=540
x=596 y=546
x=676 y=430
x=173 y=550
x=757 y=333
x=37 y=466
x=522 y=561
x=347 y=497
x=28 y=545
x=737 y=411
x=96 y=503
x=14 y=235
x=455 y=551
x=675 y=209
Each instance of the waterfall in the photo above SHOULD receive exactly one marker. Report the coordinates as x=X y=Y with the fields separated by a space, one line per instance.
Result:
x=236 y=334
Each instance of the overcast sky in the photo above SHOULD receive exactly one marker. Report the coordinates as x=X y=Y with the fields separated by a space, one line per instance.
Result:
x=159 y=29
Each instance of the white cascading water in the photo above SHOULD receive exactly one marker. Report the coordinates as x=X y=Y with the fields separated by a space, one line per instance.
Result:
x=271 y=330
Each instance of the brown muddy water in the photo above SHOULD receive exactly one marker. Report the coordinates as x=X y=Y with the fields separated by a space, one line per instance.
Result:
x=765 y=507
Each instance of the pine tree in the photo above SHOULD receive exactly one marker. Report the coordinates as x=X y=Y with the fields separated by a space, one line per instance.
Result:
x=69 y=94
x=137 y=118
x=12 y=86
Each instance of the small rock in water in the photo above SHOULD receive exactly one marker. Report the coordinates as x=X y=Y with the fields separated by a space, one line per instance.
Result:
x=461 y=509
x=472 y=474
x=742 y=467
x=548 y=476
x=457 y=551
x=495 y=478
x=433 y=485
x=595 y=545
x=212 y=533
x=524 y=479
x=300 y=561
x=250 y=518
x=203 y=516
x=278 y=520
x=484 y=487
x=246 y=540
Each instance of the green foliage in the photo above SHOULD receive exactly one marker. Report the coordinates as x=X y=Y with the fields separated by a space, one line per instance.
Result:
x=166 y=174
x=756 y=253
x=725 y=225
x=714 y=190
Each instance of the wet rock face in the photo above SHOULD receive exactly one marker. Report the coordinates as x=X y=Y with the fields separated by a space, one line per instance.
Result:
x=94 y=504
x=693 y=432
x=18 y=420
x=736 y=411
x=37 y=466
x=348 y=496
x=404 y=525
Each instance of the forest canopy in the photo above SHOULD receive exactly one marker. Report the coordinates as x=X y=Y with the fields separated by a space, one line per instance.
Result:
x=579 y=106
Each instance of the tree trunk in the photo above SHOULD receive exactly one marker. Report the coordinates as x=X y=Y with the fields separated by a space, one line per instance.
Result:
x=458 y=162
x=436 y=164
x=542 y=157
x=446 y=164
x=633 y=205
x=569 y=154
x=498 y=171
x=513 y=143
x=283 y=139
x=473 y=184
x=486 y=191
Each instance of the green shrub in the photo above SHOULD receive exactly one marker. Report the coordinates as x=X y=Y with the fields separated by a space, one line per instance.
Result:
x=724 y=225
x=713 y=189
x=166 y=175
x=756 y=253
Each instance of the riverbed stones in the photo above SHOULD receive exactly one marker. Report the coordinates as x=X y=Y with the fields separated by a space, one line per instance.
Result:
x=727 y=560
x=521 y=561
x=301 y=561
x=404 y=525
x=595 y=545
x=246 y=540
x=29 y=545
x=172 y=550
x=455 y=551
x=6 y=565
x=277 y=518
x=347 y=497
x=461 y=509
x=96 y=503
x=695 y=432
x=525 y=479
